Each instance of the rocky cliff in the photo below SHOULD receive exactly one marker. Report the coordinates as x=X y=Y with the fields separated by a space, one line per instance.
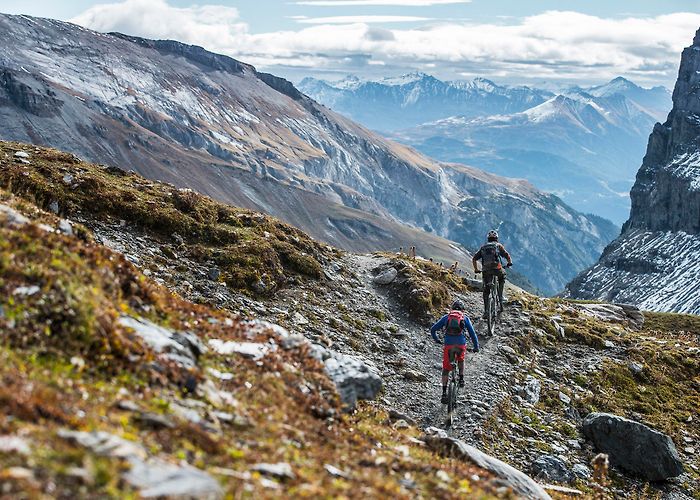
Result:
x=653 y=262
x=184 y=115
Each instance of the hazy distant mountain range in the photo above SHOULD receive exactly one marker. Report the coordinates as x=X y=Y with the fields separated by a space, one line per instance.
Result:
x=583 y=144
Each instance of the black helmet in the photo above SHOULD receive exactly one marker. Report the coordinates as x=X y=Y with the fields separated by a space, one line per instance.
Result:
x=457 y=305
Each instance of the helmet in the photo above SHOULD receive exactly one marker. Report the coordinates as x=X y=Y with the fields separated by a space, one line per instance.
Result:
x=493 y=235
x=457 y=305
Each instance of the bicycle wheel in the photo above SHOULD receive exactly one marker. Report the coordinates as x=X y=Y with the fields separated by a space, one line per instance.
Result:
x=491 y=316
x=451 y=401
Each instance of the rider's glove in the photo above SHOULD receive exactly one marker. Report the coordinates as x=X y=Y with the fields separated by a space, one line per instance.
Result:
x=476 y=349
x=510 y=264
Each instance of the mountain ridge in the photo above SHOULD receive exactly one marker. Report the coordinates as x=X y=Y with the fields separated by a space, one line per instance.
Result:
x=253 y=140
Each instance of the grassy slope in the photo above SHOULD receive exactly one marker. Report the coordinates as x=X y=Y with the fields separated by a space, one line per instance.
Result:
x=66 y=362
x=664 y=395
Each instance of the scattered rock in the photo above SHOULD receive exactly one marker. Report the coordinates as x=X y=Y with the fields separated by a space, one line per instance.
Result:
x=104 y=443
x=438 y=440
x=336 y=472
x=397 y=415
x=633 y=446
x=414 y=375
x=181 y=347
x=564 y=398
x=281 y=470
x=156 y=478
x=253 y=350
x=65 y=227
x=14 y=218
x=26 y=291
x=21 y=154
x=558 y=328
x=354 y=379
x=154 y=421
x=14 y=444
x=581 y=471
x=214 y=274
x=532 y=390
x=551 y=468
x=635 y=367
x=53 y=206
x=299 y=319
x=386 y=277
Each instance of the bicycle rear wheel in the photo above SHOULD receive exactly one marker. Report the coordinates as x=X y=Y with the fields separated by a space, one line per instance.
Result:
x=491 y=316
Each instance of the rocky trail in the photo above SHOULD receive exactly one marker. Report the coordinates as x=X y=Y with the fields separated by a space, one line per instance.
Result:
x=352 y=312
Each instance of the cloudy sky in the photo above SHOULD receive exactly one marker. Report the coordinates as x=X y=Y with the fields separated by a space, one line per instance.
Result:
x=510 y=41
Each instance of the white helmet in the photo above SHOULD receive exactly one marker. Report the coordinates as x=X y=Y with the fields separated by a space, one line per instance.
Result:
x=493 y=235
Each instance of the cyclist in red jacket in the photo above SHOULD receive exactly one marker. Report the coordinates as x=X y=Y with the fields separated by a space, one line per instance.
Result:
x=454 y=323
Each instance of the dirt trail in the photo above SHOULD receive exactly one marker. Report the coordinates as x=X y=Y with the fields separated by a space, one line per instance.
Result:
x=487 y=373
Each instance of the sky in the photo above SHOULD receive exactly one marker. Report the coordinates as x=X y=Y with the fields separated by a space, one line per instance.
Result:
x=544 y=42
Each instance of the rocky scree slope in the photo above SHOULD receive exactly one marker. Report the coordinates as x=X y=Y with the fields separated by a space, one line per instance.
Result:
x=178 y=113
x=551 y=363
x=114 y=387
x=652 y=263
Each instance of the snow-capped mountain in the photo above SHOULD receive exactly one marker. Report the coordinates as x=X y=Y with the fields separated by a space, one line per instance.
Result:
x=400 y=102
x=582 y=144
x=654 y=261
x=179 y=113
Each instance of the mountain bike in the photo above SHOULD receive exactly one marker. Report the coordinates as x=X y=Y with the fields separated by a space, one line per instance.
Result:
x=495 y=304
x=452 y=388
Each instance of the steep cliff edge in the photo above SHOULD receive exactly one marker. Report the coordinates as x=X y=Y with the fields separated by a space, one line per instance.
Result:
x=653 y=262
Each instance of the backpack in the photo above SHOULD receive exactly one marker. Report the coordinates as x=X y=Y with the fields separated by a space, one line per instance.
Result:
x=455 y=323
x=491 y=255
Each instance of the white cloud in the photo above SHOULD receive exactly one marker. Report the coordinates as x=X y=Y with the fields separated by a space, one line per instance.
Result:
x=400 y=3
x=361 y=19
x=205 y=25
x=551 y=45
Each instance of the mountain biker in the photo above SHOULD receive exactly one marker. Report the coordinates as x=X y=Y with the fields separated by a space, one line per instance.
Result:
x=454 y=323
x=490 y=255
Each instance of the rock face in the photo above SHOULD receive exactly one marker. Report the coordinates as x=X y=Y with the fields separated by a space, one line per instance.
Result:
x=633 y=446
x=440 y=442
x=208 y=122
x=652 y=263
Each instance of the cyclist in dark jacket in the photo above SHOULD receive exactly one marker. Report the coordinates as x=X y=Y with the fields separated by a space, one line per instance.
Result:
x=490 y=256
x=454 y=340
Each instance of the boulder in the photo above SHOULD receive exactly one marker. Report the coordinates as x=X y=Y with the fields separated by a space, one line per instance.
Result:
x=633 y=446
x=552 y=469
x=156 y=478
x=184 y=348
x=438 y=441
x=386 y=277
x=353 y=378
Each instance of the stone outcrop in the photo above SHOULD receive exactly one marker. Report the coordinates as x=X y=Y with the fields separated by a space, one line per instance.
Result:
x=633 y=446
x=440 y=442
x=652 y=263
